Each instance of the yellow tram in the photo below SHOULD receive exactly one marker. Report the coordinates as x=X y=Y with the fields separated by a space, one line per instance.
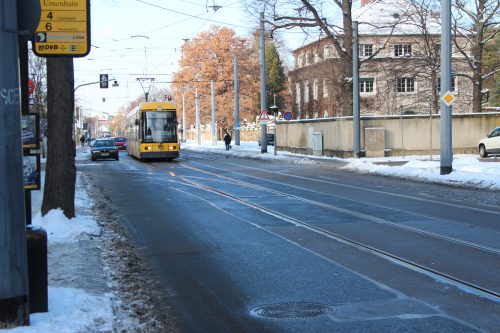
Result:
x=151 y=131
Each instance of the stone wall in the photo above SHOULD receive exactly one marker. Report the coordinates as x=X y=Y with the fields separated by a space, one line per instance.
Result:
x=403 y=135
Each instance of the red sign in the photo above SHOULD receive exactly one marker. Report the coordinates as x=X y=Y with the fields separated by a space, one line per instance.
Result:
x=31 y=87
x=264 y=116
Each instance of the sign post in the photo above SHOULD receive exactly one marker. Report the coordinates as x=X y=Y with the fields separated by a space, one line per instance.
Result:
x=14 y=288
x=64 y=29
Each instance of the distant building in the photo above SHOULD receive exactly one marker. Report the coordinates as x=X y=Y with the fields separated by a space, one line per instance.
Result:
x=399 y=65
x=104 y=121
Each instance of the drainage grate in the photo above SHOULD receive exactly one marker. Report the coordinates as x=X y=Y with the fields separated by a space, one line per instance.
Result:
x=297 y=310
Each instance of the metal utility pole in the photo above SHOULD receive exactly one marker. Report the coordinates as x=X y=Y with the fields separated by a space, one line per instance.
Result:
x=214 y=140
x=274 y=107
x=198 y=131
x=236 y=104
x=445 y=110
x=355 y=92
x=183 y=118
x=14 y=309
x=263 y=103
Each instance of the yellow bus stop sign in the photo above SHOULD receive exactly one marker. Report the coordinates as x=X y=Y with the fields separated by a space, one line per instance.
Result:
x=64 y=29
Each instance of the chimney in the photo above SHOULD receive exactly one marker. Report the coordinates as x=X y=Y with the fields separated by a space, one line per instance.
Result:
x=364 y=2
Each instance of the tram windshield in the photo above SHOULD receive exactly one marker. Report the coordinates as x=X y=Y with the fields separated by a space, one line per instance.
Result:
x=159 y=126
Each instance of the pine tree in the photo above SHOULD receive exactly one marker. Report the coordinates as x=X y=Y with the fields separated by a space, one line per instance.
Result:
x=275 y=77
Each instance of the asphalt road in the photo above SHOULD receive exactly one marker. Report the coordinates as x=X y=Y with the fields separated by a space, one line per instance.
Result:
x=243 y=245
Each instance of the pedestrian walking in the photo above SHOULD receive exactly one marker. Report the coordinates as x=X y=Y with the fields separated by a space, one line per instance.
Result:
x=82 y=140
x=227 y=140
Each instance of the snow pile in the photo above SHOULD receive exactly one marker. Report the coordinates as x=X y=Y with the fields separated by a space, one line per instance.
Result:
x=71 y=310
x=467 y=171
x=60 y=229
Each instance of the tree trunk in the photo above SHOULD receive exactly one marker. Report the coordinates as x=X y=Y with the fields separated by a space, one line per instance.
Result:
x=60 y=174
x=346 y=60
x=477 y=87
x=346 y=88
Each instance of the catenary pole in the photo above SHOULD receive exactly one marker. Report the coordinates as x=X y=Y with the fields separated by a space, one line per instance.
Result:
x=236 y=103
x=183 y=118
x=355 y=92
x=14 y=309
x=445 y=110
x=263 y=103
x=198 y=130
x=214 y=140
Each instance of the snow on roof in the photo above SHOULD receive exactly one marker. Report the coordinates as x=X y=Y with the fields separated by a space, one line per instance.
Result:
x=396 y=17
x=378 y=17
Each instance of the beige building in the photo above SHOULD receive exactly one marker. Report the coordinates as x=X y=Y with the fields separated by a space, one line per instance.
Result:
x=399 y=51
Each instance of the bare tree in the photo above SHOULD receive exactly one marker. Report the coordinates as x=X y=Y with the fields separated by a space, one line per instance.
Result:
x=315 y=16
x=477 y=22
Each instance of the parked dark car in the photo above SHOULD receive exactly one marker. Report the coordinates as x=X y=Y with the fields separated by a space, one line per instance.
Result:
x=269 y=138
x=121 y=142
x=103 y=149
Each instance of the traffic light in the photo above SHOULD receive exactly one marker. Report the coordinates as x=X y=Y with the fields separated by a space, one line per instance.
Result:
x=103 y=79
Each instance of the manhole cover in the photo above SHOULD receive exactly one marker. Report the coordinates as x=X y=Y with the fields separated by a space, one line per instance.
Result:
x=297 y=310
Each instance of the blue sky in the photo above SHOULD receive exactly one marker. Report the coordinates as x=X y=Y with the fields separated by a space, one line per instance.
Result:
x=159 y=27
x=142 y=38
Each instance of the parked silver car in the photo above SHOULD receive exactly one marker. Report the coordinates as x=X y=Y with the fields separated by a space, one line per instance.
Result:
x=490 y=144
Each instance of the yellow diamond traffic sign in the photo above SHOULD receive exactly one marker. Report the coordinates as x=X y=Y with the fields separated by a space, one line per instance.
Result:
x=448 y=98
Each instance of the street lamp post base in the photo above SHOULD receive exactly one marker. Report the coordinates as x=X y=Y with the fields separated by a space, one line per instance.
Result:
x=445 y=170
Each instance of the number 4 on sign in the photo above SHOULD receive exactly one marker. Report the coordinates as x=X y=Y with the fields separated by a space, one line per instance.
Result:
x=264 y=116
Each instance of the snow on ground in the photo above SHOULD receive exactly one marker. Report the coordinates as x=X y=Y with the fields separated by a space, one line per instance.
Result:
x=70 y=309
x=467 y=169
x=75 y=310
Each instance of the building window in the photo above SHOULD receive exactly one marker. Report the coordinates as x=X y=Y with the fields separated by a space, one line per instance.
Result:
x=297 y=93
x=366 y=85
x=405 y=85
x=325 y=88
x=365 y=50
x=299 y=60
x=315 y=89
x=306 y=92
x=316 y=57
x=402 y=50
x=327 y=52
x=308 y=57
x=454 y=80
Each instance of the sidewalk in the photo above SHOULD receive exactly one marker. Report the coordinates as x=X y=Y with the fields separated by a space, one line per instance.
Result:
x=96 y=281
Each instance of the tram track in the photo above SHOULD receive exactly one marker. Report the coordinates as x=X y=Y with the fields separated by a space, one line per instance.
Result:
x=359 y=245
x=350 y=212
x=436 y=273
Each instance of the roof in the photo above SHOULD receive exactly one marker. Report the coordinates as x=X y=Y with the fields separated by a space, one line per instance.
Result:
x=379 y=17
x=157 y=105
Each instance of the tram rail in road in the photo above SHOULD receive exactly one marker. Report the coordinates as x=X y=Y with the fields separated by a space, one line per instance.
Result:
x=436 y=273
